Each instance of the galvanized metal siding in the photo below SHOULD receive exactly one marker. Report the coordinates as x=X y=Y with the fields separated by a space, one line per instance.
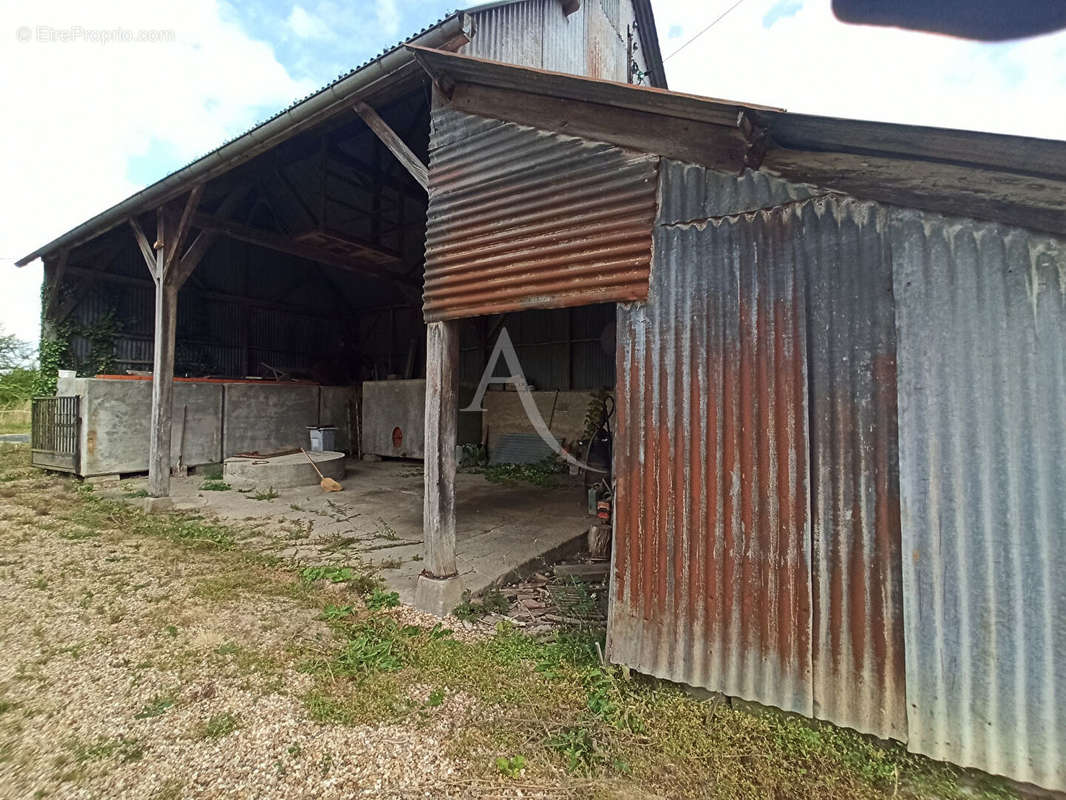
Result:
x=691 y=192
x=520 y=218
x=982 y=381
x=859 y=672
x=511 y=33
x=537 y=33
x=757 y=524
x=712 y=548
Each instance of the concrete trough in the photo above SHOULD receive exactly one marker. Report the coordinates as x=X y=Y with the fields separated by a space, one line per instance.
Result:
x=283 y=472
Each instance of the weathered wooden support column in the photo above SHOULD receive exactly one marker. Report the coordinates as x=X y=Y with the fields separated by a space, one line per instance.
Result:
x=166 y=320
x=169 y=272
x=439 y=588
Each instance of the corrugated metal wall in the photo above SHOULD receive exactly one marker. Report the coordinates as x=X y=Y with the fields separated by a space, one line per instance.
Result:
x=537 y=33
x=521 y=218
x=757 y=389
x=712 y=558
x=760 y=381
x=859 y=676
x=691 y=193
x=982 y=381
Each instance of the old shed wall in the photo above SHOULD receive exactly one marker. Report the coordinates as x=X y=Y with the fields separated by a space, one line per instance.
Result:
x=784 y=534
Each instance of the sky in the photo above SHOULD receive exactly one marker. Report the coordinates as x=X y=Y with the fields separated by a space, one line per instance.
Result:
x=92 y=115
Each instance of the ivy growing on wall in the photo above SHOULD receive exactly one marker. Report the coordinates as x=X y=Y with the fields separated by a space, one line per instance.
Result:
x=56 y=352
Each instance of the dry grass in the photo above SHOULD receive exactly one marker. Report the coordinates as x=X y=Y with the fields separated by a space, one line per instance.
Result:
x=151 y=657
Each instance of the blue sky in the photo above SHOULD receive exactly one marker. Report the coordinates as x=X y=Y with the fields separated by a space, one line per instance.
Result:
x=141 y=110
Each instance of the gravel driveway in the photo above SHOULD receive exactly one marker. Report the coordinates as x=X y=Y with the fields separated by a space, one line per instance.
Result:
x=131 y=667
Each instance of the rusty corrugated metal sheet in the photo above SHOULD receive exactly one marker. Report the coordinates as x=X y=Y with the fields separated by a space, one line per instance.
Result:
x=982 y=376
x=712 y=546
x=859 y=671
x=691 y=192
x=757 y=527
x=519 y=218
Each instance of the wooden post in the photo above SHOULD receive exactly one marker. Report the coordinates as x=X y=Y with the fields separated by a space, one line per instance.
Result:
x=169 y=269
x=166 y=317
x=442 y=410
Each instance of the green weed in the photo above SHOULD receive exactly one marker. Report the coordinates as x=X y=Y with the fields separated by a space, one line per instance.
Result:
x=155 y=707
x=215 y=486
x=269 y=494
x=513 y=767
x=219 y=725
x=379 y=599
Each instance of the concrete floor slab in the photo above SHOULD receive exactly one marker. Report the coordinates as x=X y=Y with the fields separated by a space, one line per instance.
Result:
x=377 y=520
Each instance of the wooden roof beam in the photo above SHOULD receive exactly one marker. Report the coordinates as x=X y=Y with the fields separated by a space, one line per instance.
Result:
x=397 y=146
x=283 y=244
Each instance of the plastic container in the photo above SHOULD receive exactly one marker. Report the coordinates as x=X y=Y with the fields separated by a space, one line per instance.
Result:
x=323 y=437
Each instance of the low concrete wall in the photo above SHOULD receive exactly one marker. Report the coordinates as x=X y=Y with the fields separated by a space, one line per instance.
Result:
x=388 y=405
x=116 y=416
x=219 y=420
x=267 y=417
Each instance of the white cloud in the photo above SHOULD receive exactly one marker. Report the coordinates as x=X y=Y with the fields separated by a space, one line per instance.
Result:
x=807 y=61
x=388 y=17
x=306 y=25
x=76 y=112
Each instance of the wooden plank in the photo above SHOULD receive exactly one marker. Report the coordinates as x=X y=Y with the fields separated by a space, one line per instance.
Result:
x=593 y=571
x=182 y=228
x=160 y=245
x=695 y=141
x=397 y=146
x=442 y=412
x=166 y=316
x=142 y=243
x=1029 y=202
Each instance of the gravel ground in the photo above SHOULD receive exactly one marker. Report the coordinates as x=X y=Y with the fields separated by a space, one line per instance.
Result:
x=129 y=668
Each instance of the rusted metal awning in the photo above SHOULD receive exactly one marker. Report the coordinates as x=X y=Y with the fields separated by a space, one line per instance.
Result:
x=520 y=218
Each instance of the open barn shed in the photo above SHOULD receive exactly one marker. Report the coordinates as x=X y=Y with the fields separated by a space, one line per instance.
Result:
x=836 y=355
x=278 y=278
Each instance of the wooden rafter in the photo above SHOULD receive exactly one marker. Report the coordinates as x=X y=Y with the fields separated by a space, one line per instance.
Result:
x=284 y=244
x=397 y=146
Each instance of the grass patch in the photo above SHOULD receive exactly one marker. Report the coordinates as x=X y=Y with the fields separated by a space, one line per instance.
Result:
x=542 y=473
x=267 y=495
x=215 y=486
x=125 y=750
x=557 y=705
x=380 y=599
x=156 y=707
x=218 y=726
